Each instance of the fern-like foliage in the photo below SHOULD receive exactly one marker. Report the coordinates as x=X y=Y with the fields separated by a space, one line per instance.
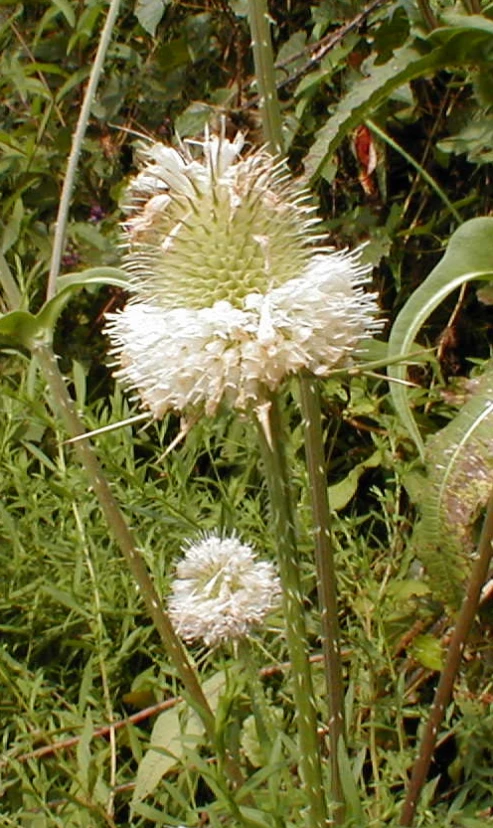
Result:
x=459 y=461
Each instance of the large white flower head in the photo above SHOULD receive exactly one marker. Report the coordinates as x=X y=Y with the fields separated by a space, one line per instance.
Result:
x=221 y=591
x=231 y=291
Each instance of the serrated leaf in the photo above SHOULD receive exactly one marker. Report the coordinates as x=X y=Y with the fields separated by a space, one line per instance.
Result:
x=455 y=46
x=459 y=481
x=469 y=256
x=149 y=14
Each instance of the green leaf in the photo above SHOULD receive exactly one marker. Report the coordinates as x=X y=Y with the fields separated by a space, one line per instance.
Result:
x=18 y=329
x=149 y=14
x=23 y=329
x=174 y=733
x=428 y=651
x=349 y=787
x=469 y=256
x=71 y=283
x=341 y=493
x=165 y=752
x=451 y=47
x=11 y=231
x=66 y=8
x=459 y=481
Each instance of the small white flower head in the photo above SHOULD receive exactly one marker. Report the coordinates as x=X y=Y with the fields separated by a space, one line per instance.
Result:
x=221 y=591
x=231 y=291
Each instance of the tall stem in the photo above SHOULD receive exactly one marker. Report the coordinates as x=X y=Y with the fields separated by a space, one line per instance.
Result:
x=265 y=72
x=445 y=685
x=177 y=654
x=272 y=447
x=327 y=591
x=326 y=578
x=73 y=160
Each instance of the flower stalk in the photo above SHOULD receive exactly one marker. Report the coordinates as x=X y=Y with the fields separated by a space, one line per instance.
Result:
x=258 y=17
x=276 y=472
x=175 y=650
x=310 y=402
x=326 y=579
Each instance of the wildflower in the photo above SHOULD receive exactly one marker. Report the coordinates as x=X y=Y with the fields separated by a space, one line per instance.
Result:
x=231 y=292
x=221 y=591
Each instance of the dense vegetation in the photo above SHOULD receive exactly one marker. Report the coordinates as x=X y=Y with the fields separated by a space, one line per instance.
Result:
x=387 y=116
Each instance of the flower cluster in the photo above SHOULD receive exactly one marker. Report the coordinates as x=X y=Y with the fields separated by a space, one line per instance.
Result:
x=231 y=291
x=221 y=591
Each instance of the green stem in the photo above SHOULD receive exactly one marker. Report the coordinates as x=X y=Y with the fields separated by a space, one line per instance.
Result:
x=326 y=579
x=177 y=654
x=260 y=709
x=265 y=72
x=444 y=690
x=73 y=160
x=272 y=447
x=272 y=124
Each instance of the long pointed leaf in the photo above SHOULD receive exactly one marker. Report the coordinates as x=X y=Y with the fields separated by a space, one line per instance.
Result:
x=469 y=256
x=454 y=46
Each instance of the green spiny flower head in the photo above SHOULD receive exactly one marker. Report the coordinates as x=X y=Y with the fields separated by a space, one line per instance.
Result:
x=231 y=291
x=215 y=229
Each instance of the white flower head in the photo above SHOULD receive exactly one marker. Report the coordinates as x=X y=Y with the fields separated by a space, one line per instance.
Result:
x=231 y=291
x=221 y=591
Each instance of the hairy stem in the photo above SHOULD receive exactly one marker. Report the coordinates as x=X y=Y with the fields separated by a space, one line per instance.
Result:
x=73 y=160
x=444 y=690
x=272 y=447
x=326 y=579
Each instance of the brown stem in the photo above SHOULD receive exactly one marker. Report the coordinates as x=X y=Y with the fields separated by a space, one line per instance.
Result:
x=428 y=15
x=445 y=685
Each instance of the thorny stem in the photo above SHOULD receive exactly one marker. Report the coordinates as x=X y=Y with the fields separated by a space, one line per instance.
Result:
x=326 y=578
x=272 y=447
x=177 y=654
x=444 y=690
x=271 y=116
x=258 y=16
x=73 y=160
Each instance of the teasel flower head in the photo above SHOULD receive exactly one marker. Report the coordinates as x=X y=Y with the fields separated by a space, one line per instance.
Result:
x=231 y=289
x=221 y=592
